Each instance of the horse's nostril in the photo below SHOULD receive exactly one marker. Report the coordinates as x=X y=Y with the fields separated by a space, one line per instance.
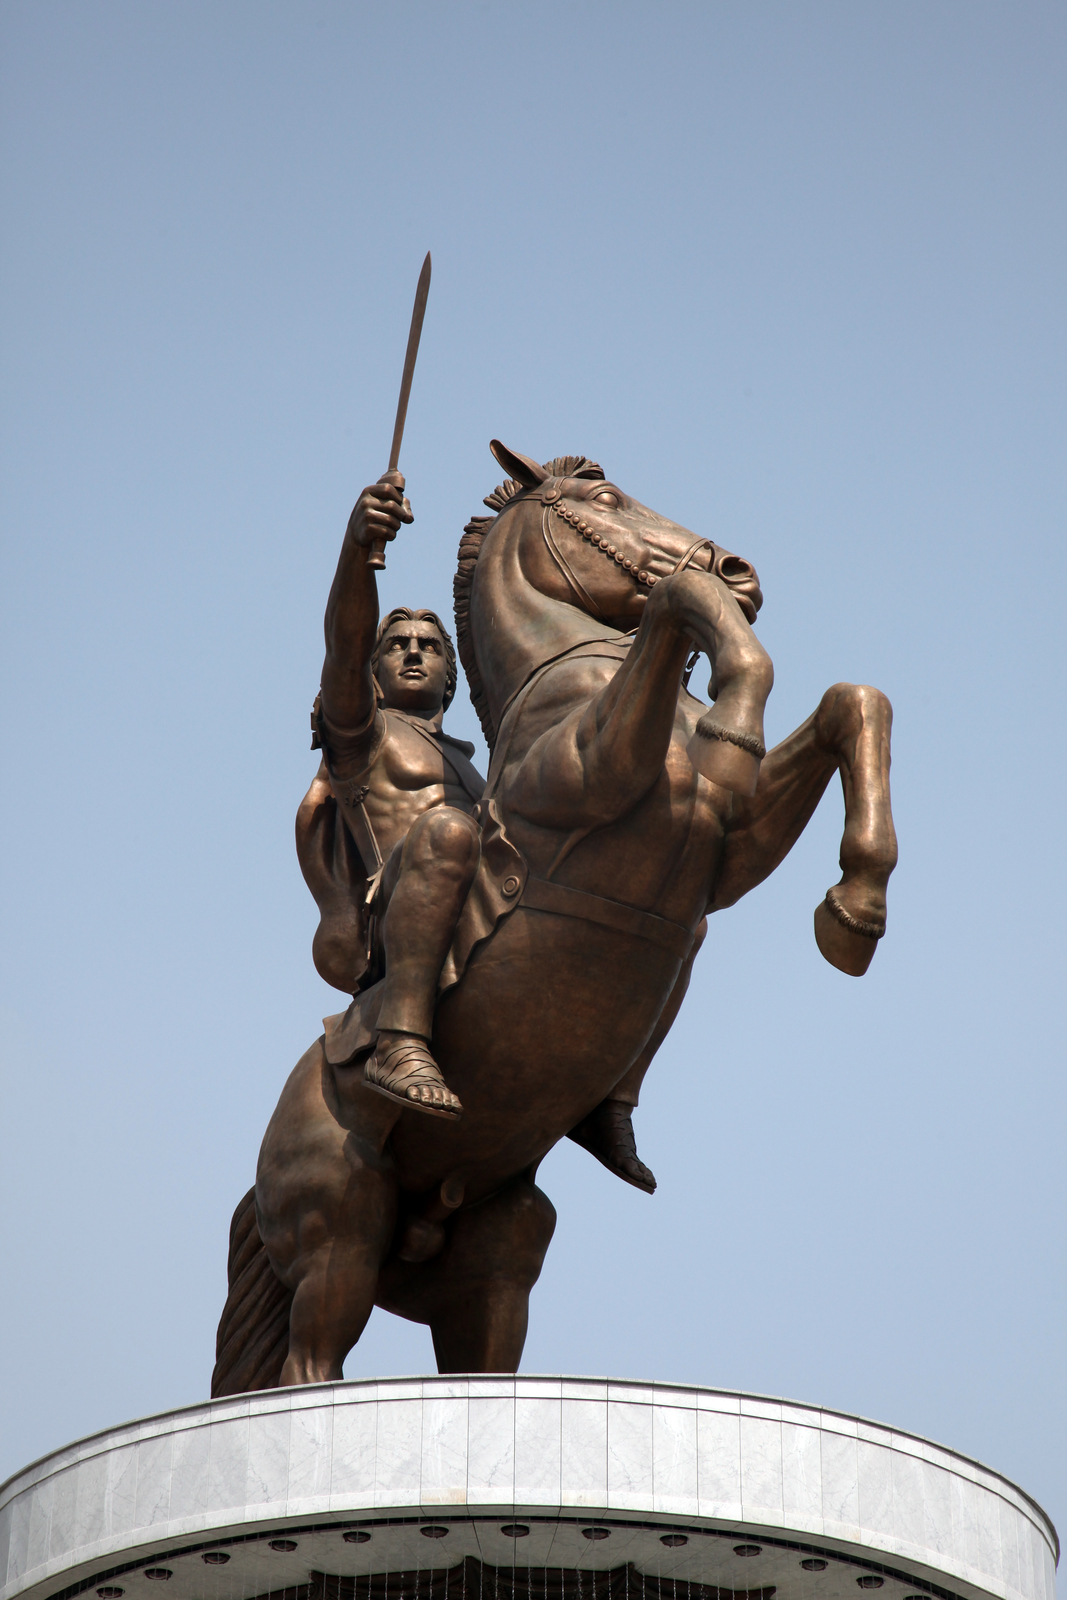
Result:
x=734 y=569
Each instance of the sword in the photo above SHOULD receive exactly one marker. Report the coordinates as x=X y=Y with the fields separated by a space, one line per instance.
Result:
x=376 y=556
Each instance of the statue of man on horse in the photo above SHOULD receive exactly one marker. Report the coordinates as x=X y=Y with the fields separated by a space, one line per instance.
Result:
x=400 y=793
x=537 y=936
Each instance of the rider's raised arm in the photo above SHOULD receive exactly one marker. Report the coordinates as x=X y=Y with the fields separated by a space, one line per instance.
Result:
x=352 y=609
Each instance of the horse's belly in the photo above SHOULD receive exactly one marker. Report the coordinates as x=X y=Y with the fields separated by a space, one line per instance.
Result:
x=549 y=1015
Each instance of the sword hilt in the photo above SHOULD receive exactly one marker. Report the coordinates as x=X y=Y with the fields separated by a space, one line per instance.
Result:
x=376 y=550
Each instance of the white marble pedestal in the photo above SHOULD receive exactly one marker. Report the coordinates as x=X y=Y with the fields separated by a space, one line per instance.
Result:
x=724 y=1490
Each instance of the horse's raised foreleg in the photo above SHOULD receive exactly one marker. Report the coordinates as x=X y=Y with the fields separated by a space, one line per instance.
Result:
x=849 y=732
x=856 y=721
x=727 y=746
x=475 y=1295
x=591 y=767
x=694 y=607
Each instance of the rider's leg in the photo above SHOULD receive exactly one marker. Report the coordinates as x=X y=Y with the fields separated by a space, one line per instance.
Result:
x=436 y=868
x=475 y=1294
x=607 y=1132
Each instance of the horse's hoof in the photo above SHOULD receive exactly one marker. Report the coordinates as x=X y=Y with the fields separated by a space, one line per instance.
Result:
x=725 y=764
x=847 y=951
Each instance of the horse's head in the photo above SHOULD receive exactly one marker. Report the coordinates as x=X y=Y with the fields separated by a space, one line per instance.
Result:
x=565 y=545
x=599 y=549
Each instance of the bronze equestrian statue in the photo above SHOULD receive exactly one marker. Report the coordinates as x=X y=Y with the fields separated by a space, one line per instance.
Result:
x=392 y=878
x=553 y=918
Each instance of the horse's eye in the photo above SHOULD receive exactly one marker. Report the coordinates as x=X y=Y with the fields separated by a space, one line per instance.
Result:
x=607 y=499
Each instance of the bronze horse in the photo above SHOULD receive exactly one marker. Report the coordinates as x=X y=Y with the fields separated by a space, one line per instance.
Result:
x=623 y=811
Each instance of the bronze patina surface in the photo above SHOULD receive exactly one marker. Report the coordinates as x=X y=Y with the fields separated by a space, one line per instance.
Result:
x=517 y=954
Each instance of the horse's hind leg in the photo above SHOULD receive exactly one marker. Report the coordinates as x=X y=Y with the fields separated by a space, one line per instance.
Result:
x=326 y=1201
x=334 y=1297
x=475 y=1295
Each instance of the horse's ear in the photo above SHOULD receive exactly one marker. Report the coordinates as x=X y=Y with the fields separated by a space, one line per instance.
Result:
x=521 y=468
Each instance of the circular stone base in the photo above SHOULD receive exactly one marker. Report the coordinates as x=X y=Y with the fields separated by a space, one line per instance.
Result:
x=518 y=1489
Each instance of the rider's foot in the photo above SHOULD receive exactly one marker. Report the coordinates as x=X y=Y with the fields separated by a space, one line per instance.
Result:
x=608 y=1134
x=403 y=1069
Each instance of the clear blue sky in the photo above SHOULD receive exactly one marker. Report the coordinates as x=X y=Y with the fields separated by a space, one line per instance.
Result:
x=794 y=273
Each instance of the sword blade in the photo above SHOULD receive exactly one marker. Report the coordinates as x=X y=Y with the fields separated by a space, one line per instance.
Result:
x=418 y=312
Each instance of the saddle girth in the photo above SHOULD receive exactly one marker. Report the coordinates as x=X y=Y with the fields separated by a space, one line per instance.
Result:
x=540 y=894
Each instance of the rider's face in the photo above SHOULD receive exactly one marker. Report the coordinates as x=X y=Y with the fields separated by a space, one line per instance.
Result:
x=412 y=667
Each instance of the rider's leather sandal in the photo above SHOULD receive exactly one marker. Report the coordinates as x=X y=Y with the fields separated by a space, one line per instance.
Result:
x=393 y=1075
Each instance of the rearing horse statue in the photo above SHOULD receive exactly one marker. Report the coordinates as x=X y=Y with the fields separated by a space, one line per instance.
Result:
x=619 y=812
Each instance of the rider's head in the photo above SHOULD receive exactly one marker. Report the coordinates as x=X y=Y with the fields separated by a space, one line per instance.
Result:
x=414 y=662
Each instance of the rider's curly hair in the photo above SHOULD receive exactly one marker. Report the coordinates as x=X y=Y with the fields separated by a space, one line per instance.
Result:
x=406 y=614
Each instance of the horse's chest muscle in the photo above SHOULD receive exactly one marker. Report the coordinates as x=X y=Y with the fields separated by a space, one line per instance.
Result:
x=661 y=855
x=681 y=808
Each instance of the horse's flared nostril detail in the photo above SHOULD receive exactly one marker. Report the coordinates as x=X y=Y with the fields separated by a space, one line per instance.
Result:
x=741 y=576
x=734 y=570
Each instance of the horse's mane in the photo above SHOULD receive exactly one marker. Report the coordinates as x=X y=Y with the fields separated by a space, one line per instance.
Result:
x=470 y=548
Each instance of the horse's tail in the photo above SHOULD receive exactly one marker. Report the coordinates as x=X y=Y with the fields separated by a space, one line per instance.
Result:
x=253 y=1337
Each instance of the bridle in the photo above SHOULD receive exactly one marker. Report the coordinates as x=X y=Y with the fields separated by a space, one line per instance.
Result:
x=640 y=576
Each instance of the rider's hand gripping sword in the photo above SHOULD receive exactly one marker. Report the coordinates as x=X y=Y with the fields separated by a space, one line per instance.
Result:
x=376 y=555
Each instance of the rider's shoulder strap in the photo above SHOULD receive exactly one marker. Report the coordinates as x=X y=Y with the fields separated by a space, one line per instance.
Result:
x=351 y=791
x=470 y=780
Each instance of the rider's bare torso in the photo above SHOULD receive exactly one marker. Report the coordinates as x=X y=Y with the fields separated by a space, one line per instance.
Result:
x=409 y=767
